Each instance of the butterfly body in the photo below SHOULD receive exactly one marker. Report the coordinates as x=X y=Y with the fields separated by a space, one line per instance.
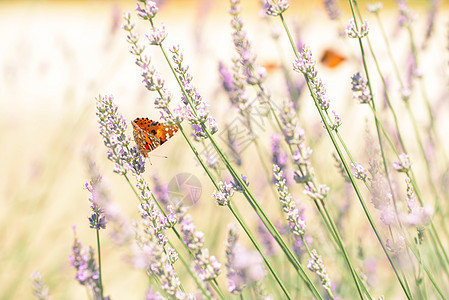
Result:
x=149 y=134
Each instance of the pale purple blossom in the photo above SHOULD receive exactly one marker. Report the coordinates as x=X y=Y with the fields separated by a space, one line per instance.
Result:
x=359 y=171
x=403 y=164
x=316 y=192
x=147 y=11
x=243 y=267
x=40 y=290
x=207 y=266
x=360 y=89
x=418 y=216
x=315 y=264
x=236 y=185
x=406 y=15
x=82 y=259
x=224 y=193
x=157 y=35
x=332 y=9
x=375 y=7
x=278 y=155
x=352 y=31
x=157 y=260
x=112 y=128
x=276 y=8
x=295 y=220
x=306 y=64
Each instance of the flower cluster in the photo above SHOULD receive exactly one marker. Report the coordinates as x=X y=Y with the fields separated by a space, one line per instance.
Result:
x=197 y=112
x=278 y=155
x=316 y=265
x=352 y=31
x=332 y=9
x=417 y=216
x=295 y=220
x=306 y=64
x=40 y=290
x=359 y=171
x=97 y=219
x=276 y=8
x=207 y=267
x=244 y=267
x=403 y=164
x=112 y=128
x=236 y=185
x=82 y=259
x=224 y=193
x=151 y=215
x=406 y=16
x=375 y=7
x=380 y=196
x=294 y=135
x=360 y=90
x=250 y=71
x=157 y=260
x=147 y=11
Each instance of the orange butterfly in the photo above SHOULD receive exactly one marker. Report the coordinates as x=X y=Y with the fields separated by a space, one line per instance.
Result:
x=149 y=134
x=332 y=59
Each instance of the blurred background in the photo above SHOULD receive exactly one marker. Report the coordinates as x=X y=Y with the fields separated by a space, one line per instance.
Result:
x=57 y=56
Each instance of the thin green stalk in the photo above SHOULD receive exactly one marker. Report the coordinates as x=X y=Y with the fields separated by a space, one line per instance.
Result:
x=99 y=264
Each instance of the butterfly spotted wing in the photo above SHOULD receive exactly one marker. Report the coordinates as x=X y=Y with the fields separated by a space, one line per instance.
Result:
x=149 y=134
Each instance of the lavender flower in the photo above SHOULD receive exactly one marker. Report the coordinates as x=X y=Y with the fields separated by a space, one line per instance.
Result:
x=224 y=193
x=151 y=295
x=306 y=64
x=151 y=215
x=157 y=260
x=375 y=7
x=148 y=11
x=380 y=196
x=278 y=155
x=97 y=219
x=316 y=265
x=296 y=222
x=236 y=185
x=197 y=112
x=406 y=16
x=112 y=128
x=359 y=171
x=360 y=89
x=276 y=8
x=403 y=164
x=332 y=9
x=417 y=216
x=244 y=267
x=82 y=259
x=250 y=71
x=157 y=36
x=207 y=267
x=352 y=31
x=40 y=290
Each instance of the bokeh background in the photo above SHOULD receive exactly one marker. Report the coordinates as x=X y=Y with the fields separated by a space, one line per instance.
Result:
x=57 y=56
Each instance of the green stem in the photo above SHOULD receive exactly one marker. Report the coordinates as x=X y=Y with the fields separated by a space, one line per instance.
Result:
x=99 y=264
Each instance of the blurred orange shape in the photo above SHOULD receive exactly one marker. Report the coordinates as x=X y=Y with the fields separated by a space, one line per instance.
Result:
x=331 y=58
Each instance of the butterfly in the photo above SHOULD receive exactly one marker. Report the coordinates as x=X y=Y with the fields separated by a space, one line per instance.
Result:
x=149 y=134
x=331 y=58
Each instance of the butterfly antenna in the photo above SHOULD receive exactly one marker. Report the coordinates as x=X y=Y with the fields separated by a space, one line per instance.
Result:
x=163 y=156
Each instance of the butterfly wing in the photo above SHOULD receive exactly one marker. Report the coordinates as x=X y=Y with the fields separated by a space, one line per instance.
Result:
x=145 y=141
x=163 y=132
